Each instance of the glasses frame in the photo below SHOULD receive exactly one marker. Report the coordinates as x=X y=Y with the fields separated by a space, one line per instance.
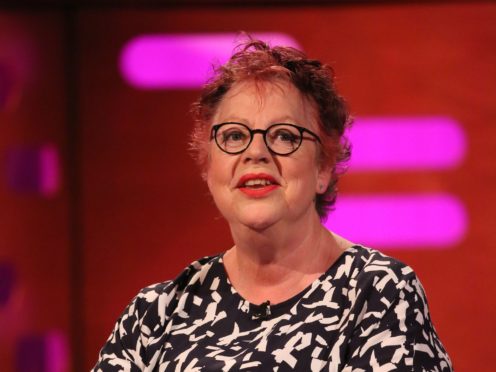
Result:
x=263 y=132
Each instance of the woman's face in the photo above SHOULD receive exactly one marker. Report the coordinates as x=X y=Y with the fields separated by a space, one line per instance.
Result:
x=257 y=188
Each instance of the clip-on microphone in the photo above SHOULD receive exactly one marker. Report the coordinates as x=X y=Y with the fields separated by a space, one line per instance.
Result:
x=263 y=311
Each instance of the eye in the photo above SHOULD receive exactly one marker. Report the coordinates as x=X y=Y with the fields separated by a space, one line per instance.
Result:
x=233 y=135
x=284 y=135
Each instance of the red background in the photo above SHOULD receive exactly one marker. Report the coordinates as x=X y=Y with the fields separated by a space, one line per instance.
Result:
x=133 y=210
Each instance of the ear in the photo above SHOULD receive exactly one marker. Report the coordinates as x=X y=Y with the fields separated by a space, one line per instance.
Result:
x=323 y=179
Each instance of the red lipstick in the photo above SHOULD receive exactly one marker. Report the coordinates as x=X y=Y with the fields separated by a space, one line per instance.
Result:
x=257 y=185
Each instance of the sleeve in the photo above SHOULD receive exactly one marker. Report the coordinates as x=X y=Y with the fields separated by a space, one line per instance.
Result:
x=126 y=347
x=394 y=329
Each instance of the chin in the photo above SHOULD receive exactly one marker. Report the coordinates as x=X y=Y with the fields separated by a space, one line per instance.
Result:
x=258 y=218
x=258 y=225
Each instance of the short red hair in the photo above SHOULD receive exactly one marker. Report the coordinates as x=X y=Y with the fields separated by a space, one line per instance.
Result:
x=257 y=61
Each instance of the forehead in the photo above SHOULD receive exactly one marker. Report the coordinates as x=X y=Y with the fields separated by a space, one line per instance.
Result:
x=264 y=103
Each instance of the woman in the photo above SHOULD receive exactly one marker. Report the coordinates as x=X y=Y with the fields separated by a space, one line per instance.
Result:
x=289 y=295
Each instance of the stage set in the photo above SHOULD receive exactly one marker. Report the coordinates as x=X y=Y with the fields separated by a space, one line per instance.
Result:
x=99 y=196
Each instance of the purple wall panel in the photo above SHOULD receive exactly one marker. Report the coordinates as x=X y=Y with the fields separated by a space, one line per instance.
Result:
x=406 y=143
x=400 y=221
x=42 y=353
x=34 y=170
x=182 y=61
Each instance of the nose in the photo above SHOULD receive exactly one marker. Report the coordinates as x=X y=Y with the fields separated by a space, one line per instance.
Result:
x=257 y=151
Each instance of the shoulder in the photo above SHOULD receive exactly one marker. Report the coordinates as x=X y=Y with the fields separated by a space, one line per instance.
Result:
x=133 y=341
x=155 y=304
x=390 y=314
x=376 y=285
x=370 y=269
x=370 y=260
x=168 y=291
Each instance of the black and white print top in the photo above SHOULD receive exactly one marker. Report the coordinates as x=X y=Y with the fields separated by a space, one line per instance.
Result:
x=368 y=312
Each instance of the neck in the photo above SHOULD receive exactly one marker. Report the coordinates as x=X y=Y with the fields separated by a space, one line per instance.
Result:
x=280 y=261
x=278 y=243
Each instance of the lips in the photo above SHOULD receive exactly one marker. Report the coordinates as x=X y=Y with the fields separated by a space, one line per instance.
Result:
x=255 y=180
x=257 y=184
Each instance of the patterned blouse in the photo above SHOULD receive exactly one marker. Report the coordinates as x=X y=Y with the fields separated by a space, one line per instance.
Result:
x=368 y=312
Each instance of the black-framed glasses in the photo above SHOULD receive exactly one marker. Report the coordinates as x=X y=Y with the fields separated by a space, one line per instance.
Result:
x=281 y=138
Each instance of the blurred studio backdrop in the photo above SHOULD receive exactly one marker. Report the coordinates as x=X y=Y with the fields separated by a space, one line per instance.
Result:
x=99 y=196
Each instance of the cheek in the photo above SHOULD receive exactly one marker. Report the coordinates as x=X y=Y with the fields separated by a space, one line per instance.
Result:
x=218 y=170
x=212 y=176
x=210 y=170
x=302 y=176
x=305 y=166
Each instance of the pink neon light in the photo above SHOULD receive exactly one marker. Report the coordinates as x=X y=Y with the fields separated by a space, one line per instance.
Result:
x=49 y=171
x=57 y=352
x=406 y=143
x=436 y=221
x=181 y=61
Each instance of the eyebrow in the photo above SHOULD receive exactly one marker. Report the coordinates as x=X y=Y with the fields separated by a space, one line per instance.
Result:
x=238 y=119
x=230 y=119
